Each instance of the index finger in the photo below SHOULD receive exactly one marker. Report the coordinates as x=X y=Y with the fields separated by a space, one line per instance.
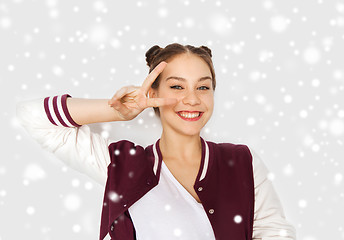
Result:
x=147 y=83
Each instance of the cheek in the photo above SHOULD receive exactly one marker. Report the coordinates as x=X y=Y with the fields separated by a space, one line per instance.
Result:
x=208 y=100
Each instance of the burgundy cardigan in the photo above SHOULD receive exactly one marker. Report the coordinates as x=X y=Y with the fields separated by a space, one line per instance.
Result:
x=224 y=184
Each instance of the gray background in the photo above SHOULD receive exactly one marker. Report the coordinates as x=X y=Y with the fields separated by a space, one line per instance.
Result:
x=280 y=77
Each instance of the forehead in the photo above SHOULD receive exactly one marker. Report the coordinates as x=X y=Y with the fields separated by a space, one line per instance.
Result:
x=186 y=66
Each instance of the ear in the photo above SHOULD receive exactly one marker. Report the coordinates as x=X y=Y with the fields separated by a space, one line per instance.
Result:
x=152 y=93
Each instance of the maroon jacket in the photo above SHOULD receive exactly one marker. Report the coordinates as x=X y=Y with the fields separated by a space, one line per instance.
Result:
x=224 y=185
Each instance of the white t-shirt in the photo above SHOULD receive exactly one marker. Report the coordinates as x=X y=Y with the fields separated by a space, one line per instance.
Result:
x=172 y=210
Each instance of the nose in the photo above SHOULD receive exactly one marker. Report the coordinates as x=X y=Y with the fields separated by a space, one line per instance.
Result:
x=191 y=98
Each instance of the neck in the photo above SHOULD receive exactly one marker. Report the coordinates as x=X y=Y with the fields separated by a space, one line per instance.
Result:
x=181 y=148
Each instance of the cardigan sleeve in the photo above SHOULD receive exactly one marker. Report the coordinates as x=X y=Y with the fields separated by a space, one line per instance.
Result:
x=269 y=219
x=49 y=123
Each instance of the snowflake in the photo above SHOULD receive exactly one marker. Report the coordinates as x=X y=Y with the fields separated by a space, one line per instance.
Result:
x=72 y=202
x=237 y=219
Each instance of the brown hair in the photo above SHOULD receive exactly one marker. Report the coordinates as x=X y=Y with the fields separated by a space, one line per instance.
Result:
x=156 y=54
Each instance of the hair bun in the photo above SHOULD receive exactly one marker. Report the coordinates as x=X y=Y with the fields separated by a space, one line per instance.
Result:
x=207 y=50
x=151 y=53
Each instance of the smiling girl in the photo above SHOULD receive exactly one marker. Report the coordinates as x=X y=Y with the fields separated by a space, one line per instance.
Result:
x=180 y=187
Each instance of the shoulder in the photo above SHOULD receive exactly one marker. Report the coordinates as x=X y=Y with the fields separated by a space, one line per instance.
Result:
x=231 y=154
x=126 y=148
x=121 y=144
x=124 y=145
x=232 y=148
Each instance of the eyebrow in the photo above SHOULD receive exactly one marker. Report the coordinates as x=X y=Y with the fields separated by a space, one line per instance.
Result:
x=183 y=79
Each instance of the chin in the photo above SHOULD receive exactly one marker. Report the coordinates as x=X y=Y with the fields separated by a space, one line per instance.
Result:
x=190 y=132
x=188 y=129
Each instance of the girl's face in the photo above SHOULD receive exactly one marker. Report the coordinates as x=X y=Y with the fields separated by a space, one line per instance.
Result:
x=187 y=78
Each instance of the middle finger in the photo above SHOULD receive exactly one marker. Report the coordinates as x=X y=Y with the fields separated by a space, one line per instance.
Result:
x=152 y=76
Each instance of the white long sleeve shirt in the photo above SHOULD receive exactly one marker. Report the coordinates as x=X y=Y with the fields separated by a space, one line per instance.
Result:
x=87 y=152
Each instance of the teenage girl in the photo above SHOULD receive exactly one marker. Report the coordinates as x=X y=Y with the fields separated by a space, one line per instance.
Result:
x=180 y=187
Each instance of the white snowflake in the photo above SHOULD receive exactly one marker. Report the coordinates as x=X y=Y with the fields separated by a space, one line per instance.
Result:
x=279 y=23
x=72 y=202
x=34 y=172
x=311 y=55
x=237 y=219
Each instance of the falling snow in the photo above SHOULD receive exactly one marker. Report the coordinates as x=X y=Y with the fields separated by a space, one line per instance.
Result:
x=177 y=232
x=132 y=151
x=72 y=202
x=113 y=196
x=30 y=210
x=237 y=219
x=34 y=172
x=280 y=88
x=279 y=23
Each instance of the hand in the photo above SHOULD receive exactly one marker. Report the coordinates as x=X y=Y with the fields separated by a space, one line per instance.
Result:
x=130 y=101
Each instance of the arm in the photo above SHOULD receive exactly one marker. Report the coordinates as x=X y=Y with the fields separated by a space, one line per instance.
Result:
x=86 y=111
x=50 y=122
x=58 y=124
x=269 y=219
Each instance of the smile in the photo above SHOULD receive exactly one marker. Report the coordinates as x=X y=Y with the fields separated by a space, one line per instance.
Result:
x=190 y=116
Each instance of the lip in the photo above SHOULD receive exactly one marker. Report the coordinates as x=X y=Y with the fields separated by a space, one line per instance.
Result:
x=190 y=119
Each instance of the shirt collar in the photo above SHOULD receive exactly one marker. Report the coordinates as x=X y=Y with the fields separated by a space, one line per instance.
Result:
x=204 y=160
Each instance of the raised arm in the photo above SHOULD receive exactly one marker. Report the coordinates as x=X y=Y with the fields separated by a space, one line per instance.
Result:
x=49 y=122
x=59 y=124
x=85 y=111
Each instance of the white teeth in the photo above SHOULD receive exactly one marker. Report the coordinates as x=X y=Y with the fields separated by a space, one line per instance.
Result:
x=189 y=115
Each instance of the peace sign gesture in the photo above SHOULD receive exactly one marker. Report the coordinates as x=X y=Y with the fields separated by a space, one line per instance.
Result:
x=130 y=101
